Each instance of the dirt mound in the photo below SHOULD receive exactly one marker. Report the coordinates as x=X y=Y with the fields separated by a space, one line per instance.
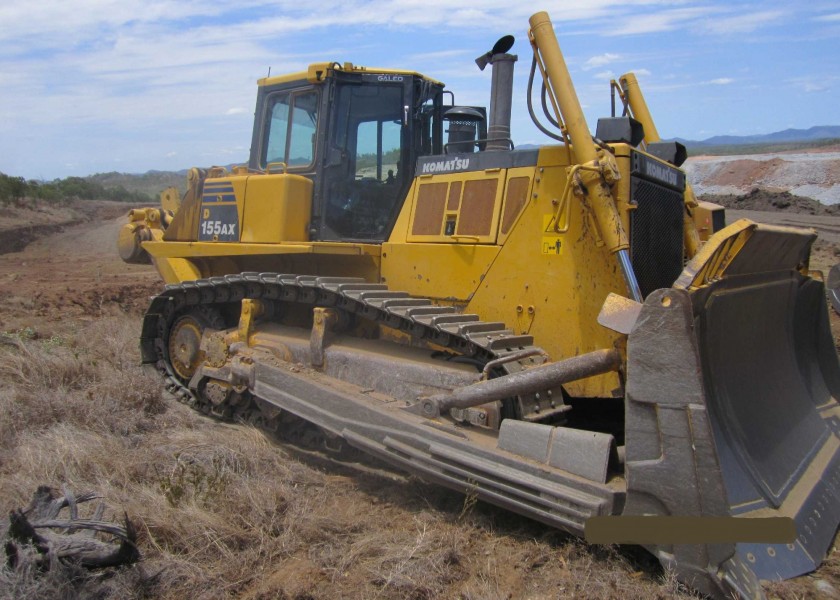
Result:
x=770 y=201
x=813 y=175
x=745 y=172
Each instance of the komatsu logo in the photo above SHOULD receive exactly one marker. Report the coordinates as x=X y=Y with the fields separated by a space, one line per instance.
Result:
x=656 y=171
x=662 y=173
x=445 y=166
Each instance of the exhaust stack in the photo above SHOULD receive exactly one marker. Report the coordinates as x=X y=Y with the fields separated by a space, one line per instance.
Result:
x=501 y=92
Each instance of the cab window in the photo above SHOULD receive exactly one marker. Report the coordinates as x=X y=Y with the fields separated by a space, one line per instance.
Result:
x=378 y=150
x=291 y=130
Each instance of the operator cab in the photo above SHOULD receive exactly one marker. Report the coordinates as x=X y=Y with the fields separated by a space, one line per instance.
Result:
x=357 y=133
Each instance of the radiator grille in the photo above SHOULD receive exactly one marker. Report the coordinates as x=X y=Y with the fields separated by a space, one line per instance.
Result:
x=656 y=234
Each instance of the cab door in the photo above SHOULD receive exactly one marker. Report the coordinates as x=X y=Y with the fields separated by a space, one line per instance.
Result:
x=367 y=166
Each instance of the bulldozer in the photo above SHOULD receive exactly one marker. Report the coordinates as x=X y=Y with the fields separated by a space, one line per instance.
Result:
x=548 y=329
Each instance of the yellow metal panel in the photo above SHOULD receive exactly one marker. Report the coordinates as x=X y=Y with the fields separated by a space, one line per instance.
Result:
x=301 y=76
x=551 y=156
x=446 y=272
x=518 y=181
x=199 y=249
x=704 y=218
x=176 y=270
x=277 y=209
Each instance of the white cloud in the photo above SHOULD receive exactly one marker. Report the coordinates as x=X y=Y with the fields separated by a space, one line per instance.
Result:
x=600 y=61
x=743 y=23
x=655 y=22
x=833 y=18
x=812 y=84
x=235 y=111
x=722 y=81
x=815 y=87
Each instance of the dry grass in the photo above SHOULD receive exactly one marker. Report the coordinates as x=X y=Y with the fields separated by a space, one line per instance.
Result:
x=224 y=512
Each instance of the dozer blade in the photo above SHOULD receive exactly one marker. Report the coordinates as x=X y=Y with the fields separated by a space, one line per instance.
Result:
x=732 y=409
x=833 y=285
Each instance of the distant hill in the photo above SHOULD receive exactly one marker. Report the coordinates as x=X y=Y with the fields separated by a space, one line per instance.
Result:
x=789 y=139
x=151 y=183
x=819 y=132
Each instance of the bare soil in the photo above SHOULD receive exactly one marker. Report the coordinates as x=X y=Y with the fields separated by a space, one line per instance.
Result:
x=808 y=173
x=224 y=511
x=784 y=208
x=72 y=274
x=759 y=199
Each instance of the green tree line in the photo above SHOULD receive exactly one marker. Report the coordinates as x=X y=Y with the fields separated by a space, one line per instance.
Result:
x=389 y=157
x=20 y=191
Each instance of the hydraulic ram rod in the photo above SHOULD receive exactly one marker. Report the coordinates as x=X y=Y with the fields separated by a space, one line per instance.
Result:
x=530 y=381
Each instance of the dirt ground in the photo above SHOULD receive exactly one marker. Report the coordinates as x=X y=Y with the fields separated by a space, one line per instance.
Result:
x=345 y=530
x=763 y=200
x=73 y=274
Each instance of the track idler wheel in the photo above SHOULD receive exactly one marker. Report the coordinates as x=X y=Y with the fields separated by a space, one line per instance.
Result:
x=184 y=344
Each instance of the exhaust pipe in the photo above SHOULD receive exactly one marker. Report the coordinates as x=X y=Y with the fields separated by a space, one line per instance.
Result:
x=501 y=92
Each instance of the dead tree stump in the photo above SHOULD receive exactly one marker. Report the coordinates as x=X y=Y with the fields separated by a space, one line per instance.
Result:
x=90 y=543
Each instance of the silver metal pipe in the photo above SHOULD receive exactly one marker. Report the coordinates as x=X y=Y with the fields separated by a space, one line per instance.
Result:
x=530 y=381
x=629 y=275
x=501 y=95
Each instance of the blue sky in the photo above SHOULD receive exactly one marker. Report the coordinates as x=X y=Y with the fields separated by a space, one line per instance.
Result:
x=89 y=86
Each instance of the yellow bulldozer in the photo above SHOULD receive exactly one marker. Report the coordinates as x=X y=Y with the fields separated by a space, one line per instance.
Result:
x=547 y=329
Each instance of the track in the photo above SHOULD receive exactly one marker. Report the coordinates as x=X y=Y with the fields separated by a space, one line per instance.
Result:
x=461 y=334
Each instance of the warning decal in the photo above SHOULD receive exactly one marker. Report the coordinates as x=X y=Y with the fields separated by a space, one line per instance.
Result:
x=552 y=242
